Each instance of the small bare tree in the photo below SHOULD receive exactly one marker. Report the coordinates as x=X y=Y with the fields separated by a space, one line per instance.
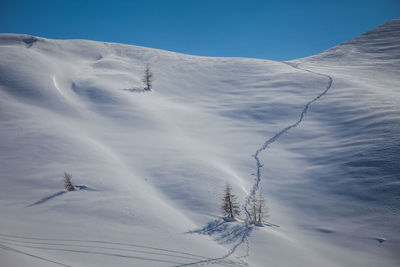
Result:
x=147 y=78
x=253 y=207
x=230 y=207
x=261 y=211
x=67 y=182
x=257 y=207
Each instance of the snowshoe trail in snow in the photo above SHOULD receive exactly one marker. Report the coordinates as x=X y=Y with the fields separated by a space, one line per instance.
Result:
x=283 y=131
x=248 y=227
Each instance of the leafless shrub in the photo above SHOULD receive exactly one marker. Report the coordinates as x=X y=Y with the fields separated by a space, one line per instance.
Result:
x=67 y=182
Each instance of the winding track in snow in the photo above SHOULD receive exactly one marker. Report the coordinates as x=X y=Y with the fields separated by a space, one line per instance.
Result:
x=283 y=131
x=247 y=222
x=247 y=227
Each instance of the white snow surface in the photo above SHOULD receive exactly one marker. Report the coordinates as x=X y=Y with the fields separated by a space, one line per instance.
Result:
x=155 y=163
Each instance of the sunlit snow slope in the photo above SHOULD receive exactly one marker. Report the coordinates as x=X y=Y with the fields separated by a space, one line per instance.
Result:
x=153 y=165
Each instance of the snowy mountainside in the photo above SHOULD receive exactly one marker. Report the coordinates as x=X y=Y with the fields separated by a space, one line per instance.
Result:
x=364 y=120
x=156 y=163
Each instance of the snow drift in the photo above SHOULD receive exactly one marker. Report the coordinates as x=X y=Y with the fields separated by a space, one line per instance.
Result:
x=152 y=166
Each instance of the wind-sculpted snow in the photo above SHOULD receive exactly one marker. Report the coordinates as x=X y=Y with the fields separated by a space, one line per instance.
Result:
x=273 y=139
x=159 y=161
x=238 y=233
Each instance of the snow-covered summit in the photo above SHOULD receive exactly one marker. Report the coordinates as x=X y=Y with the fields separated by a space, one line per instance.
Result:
x=380 y=40
x=377 y=45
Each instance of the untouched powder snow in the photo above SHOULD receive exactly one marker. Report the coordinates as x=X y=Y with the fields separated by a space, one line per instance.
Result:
x=320 y=135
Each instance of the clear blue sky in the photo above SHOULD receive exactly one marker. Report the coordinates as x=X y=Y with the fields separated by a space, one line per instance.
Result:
x=278 y=30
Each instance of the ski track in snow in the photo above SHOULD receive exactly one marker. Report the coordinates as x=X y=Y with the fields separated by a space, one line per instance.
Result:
x=247 y=222
x=7 y=248
x=98 y=247
x=239 y=233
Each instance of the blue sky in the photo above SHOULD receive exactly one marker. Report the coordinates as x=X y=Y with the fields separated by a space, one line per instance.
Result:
x=277 y=30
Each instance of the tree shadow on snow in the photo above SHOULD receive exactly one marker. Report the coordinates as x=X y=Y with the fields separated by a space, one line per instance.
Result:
x=45 y=199
x=223 y=231
x=136 y=90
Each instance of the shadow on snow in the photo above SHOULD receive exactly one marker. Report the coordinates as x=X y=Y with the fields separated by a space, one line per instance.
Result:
x=45 y=199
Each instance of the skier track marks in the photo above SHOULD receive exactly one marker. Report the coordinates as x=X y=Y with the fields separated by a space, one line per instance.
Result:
x=247 y=222
x=7 y=248
x=98 y=247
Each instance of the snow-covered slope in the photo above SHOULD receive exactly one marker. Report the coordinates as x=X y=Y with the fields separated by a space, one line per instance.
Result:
x=154 y=164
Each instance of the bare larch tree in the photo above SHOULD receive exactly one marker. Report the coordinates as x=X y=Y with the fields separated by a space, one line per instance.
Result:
x=67 y=182
x=253 y=208
x=147 y=78
x=230 y=207
x=257 y=207
x=260 y=207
